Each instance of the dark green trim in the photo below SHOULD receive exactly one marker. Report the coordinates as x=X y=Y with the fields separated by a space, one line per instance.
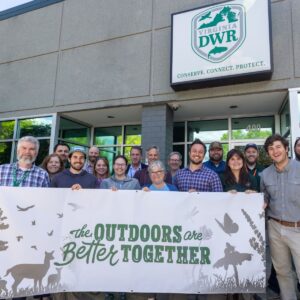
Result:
x=26 y=7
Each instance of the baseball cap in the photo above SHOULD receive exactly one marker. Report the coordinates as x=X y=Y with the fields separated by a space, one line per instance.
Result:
x=77 y=149
x=215 y=145
x=251 y=145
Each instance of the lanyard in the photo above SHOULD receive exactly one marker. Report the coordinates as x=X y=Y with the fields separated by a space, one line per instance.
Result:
x=17 y=182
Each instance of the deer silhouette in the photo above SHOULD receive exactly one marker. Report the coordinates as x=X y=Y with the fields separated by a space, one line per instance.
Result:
x=54 y=279
x=31 y=271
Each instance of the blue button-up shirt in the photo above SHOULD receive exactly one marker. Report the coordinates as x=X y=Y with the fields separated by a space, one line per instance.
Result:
x=37 y=177
x=202 y=180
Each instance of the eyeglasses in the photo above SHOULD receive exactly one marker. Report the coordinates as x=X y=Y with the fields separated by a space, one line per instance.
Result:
x=120 y=165
x=157 y=172
x=175 y=160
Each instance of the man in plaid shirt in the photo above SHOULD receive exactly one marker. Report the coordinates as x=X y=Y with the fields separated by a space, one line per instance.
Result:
x=24 y=172
x=197 y=177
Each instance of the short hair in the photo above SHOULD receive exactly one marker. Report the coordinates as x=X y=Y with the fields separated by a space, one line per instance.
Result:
x=47 y=159
x=198 y=142
x=139 y=148
x=94 y=146
x=175 y=153
x=121 y=156
x=29 y=139
x=153 y=147
x=61 y=144
x=273 y=138
x=158 y=164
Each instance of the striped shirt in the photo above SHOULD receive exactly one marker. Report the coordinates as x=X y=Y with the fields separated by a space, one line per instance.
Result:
x=37 y=177
x=201 y=180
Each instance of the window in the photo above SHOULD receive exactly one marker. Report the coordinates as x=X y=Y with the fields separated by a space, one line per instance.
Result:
x=229 y=132
x=74 y=133
x=252 y=128
x=113 y=141
x=10 y=9
x=12 y=130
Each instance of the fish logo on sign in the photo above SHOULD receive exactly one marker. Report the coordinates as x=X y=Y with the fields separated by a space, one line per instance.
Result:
x=218 y=32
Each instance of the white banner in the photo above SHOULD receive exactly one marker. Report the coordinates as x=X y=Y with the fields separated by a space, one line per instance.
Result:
x=54 y=240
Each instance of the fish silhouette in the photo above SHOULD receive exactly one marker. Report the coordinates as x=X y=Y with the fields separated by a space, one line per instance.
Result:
x=229 y=226
x=24 y=208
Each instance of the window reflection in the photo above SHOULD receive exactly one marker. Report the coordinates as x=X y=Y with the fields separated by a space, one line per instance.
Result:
x=5 y=152
x=108 y=136
x=37 y=127
x=7 y=129
x=212 y=130
x=73 y=132
x=133 y=135
x=252 y=128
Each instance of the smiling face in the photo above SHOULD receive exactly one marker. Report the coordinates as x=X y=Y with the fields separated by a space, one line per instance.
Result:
x=196 y=154
x=216 y=154
x=53 y=165
x=101 y=168
x=278 y=153
x=120 y=167
x=76 y=162
x=63 y=152
x=174 y=163
x=152 y=155
x=251 y=155
x=235 y=163
x=93 y=154
x=157 y=175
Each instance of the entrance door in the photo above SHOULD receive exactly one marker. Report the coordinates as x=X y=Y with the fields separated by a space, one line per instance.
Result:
x=263 y=158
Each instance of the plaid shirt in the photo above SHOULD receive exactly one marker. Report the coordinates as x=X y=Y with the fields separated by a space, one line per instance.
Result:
x=202 y=180
x=37 y=177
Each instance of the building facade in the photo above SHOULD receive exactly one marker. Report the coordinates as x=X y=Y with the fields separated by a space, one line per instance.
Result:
x=97 y=72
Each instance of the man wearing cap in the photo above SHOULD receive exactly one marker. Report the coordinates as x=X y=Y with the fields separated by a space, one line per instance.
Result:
x=251 y=155
x=216 y=162
x=75 y=177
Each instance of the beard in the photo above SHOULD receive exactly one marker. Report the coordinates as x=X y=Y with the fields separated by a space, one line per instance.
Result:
x=92 y=159
x=77 y=167
x=26 y=159
x=196 y=162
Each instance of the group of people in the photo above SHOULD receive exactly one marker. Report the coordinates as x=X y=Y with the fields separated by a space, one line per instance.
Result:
x=280 y=182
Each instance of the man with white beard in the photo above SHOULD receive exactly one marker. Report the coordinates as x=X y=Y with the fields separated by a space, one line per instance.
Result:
x=24 y=172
